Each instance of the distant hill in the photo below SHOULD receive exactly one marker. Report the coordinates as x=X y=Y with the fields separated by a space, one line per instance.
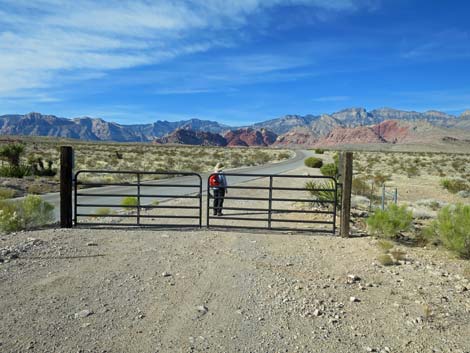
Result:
x=95 y=129
x=356 y=125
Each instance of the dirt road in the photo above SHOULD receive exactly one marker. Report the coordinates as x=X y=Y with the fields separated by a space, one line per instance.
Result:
x=209 y=291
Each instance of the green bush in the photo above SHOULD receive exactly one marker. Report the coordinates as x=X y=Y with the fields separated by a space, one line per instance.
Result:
x=330 y=169
x=12 y=153
x=28 y=213
x=15 y=171
x=317 y=190
x=454 y=185
x=40 y=168
x=452 y=229
x=283 y=155
x=6 y=193
x=129 y=201
x=313 y=162
x=319 y=151
x=385 y=260
x=390 y=222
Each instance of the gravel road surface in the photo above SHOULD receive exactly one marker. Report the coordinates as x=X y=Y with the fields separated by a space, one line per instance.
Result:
x=84 y=290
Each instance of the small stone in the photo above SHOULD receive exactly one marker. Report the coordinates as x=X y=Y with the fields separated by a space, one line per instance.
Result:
x=83 y=314
x=352 y=279
x=166 y=274
x=91 y=244
x=354 y=300
x=317 y=312
x=202 y=309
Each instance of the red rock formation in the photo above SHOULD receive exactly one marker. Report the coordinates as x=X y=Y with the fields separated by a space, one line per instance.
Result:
x=250 y=137
x=391 y=131
x=347 y=136
x=191 y=137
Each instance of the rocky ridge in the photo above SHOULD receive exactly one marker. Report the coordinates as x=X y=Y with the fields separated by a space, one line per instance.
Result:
x=289 y=130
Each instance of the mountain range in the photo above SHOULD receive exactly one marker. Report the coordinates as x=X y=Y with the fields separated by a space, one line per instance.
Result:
x=352 y=125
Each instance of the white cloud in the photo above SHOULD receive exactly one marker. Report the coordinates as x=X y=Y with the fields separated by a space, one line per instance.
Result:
x=327 y=99
x=44 y=42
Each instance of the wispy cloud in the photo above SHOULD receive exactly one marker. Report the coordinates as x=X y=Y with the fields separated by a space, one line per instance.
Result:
x=44 y=43
x=446 y=44
x=328 y=99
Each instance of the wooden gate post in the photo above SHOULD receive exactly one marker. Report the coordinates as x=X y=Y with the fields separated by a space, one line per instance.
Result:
x=66 y=184
x=347 y=169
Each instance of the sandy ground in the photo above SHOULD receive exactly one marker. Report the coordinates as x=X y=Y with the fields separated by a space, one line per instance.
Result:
x=211 y=291
x=199 y=290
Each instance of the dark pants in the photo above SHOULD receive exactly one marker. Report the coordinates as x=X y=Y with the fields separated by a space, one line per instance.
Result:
x=219 y=195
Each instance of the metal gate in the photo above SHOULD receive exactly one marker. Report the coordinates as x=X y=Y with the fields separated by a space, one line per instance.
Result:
x=101 y=197
x=263 y=196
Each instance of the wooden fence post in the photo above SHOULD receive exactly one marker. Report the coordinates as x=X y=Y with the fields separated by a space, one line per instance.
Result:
x=66 y=184
x=347 y=169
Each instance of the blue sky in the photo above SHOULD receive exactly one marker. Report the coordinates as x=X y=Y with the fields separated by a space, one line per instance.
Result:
x=237 y=62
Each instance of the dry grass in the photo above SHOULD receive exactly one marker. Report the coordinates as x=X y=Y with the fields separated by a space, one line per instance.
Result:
x=139 y=156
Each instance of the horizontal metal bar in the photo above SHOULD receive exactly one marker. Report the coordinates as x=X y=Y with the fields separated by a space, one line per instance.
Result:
x=141 y=196
x=125 y=225
x=135 y=216
x=142 y=206
x=273 y=210
x=302 y=211
x=99 y=171
x=171 y=185
x=274 y=228
x=274 y=199
x=304 y=200
x=294 y=176
x=274 y=188
x=272 y=220
x=301 y=221
x=170 y=207
x=238 y=218
x=137 y=184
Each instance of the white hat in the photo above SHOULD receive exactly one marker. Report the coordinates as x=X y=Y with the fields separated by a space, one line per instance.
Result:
x=219 y=166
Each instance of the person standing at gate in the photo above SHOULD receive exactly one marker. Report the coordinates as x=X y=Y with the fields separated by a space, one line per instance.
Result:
x=218 y=183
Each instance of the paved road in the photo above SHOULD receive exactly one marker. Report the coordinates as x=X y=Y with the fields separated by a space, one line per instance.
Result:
x=162 y=193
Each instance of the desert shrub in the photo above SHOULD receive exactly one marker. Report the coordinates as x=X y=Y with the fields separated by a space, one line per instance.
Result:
x=322 y=191
x=313 y=162
x=103 y=211
x=283 y=155
x=361 y=187
x=454 y=185
x=390 y=222
x=412 y=171
x=261 y=157
x=380 y=179
x=398 y=255
x=330 y=169
x=385 y=245
x=12 y=153
x=35 y=189
x=6 y=193
x=452 y=229
x=319 y=151
x=129 y=201
x=385 y=260
x=28 y=213
x=40 y=168
x=13 y=171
